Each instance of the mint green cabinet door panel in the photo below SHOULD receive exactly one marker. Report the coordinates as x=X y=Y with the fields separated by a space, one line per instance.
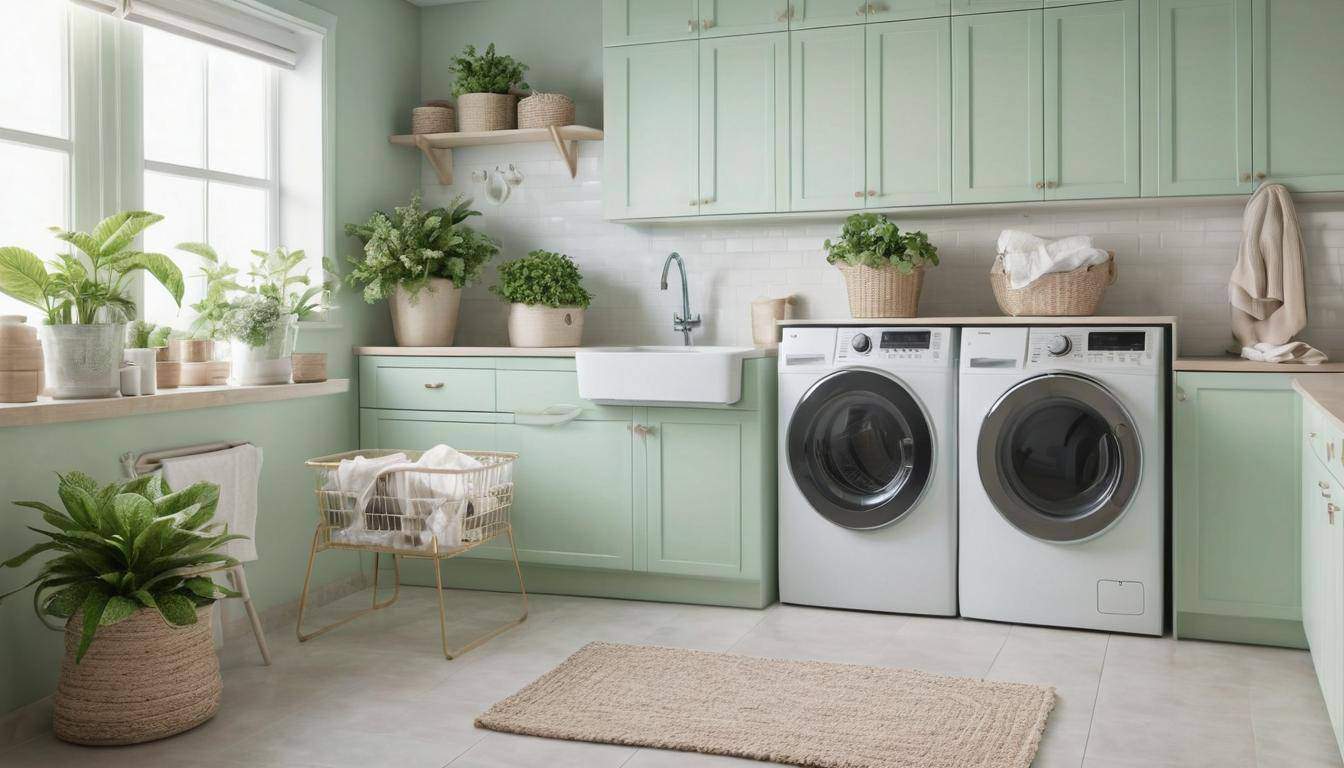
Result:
x=420 y=430
x=744 y=124
x=649 y=21
x=909 y=113
x=1092 y=101
x=651 y=100
x=827 y=119
x=1201 y=101
x=997 y=108
x=808 y=14
x=1299 y=93
x=960 y=7
x=897 y=10
x=741 y=17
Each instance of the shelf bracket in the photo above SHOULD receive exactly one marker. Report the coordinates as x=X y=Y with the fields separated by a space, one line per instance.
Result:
x=440 y=159
x=567 y=149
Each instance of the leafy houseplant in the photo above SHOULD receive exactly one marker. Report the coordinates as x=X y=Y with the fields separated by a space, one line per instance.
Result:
x=263 y=333
x=419 y=260
x=547 y=300
x=882 y=266
x=130 y=571
x=220 y=281
x=483 y=88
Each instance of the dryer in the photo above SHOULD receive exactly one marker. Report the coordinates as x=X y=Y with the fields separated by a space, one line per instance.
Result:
x=867 y=484
x=1062 y=467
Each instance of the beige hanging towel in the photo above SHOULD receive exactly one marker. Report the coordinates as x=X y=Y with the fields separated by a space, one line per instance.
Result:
x=1269 y=304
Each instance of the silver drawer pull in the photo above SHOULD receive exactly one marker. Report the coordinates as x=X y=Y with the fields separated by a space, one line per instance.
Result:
x=434 y=385
x=1323 y=484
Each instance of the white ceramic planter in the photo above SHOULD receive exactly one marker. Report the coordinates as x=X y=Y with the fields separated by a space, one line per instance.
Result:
x=428 y=319
x=83 y=360
x=144 y=359
x=534 y=325
x=268 y=363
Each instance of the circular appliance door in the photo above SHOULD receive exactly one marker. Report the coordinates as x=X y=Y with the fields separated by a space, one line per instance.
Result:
x=1059 y=457
x=861 y=449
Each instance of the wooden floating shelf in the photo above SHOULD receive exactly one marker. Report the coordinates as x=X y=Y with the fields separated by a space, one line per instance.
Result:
x=438 y=147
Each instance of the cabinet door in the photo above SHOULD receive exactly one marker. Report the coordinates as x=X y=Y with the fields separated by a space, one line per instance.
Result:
x=1312 y=548
x=896 y=10
x=909 y=113
x=827 y=125
x=649 y=21
x=744 y=124
x=997 y=108
x=960 y=7
x=741 y=17
x=650 y=152
x=1299 y=93
x=1092 y=101
x=421 y=430
x=808 y=14
x=1200 y=104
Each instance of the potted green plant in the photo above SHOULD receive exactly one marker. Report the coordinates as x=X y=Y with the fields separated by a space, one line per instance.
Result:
x=129 y=581
x=200 y=344
x=420 y=261
x=84 y=300
x=883 y=267
x=546 y=300
x=484 y=89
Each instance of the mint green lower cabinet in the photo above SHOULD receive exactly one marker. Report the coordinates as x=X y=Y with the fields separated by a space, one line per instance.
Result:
x=827 y=119
x=1323 y=557
x=1236 y=485
x=909 y=101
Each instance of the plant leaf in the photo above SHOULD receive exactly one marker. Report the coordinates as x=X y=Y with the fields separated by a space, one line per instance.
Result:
x=118 y=609
x=134 y=514
x=176 y=609
x=161 y=267
x=93 y=607
x=30 y=553
x=132 y=223
x=65 y=601
x=23 y=276
x=204 y=250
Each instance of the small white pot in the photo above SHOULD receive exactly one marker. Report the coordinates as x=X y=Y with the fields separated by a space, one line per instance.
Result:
x=83 y=360
x=535 y=325
x=145 y=359
x=428 y=319
x=268 y=363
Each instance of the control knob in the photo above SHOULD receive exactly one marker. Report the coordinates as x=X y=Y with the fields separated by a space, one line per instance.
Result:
x=861 y=343
x=1059 y=346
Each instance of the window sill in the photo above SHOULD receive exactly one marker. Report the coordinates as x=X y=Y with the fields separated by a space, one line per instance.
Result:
x=49 y=411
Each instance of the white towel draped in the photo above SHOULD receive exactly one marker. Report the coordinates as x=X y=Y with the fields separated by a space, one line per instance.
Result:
x=237 y=472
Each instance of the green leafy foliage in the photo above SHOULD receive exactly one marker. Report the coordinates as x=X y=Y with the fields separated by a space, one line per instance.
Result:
x=411 y=245
x=220 y=281
x=91 y=287
x=125 y=546
x=486 y=72
x=870 y=240
x=142 y=334
x=253 y=318
x=542 y=277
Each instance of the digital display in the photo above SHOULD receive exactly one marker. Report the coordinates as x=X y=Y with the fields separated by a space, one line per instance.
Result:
x=906 y=339
x=1117 y=341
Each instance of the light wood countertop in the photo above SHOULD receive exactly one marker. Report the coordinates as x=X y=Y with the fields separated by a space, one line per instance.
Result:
x=1326 y=392
x=1230 y=364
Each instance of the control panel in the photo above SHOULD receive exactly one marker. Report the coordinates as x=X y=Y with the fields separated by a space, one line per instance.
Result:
x=882 y=345
x=1093 y=347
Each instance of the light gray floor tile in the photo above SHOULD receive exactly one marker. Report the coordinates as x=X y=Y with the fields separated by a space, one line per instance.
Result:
x=505 y=750
x=666 y=758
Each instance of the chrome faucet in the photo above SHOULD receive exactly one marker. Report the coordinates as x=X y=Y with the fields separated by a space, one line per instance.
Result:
x=682 y=323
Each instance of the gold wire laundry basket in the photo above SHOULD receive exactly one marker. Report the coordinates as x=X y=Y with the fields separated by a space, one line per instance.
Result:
x=416 y=512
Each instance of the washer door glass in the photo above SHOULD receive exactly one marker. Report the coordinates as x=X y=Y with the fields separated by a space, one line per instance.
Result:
x=860 y=448
x=1059 y=457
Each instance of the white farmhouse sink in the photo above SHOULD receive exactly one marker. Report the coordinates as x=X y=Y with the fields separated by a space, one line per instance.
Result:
x=664 y=375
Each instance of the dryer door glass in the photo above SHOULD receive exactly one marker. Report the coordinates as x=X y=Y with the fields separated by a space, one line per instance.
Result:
x=860 y=449
x=1059 y=457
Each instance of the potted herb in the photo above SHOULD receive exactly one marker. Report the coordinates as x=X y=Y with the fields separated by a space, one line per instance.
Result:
x=546 y=300
x=199 y=345
x=883 y=267
x=129 y=582
x=483 y=88
x=420 y=261
x=84 y=299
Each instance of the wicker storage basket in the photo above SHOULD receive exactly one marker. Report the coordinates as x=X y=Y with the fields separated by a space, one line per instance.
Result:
x=433 y=119
x=487 y=112
x=882 y=292
x=1060 y=294
x=541 y=326
x=541 y=110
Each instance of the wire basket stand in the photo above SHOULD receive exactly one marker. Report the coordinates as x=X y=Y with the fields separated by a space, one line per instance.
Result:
x=424 y=513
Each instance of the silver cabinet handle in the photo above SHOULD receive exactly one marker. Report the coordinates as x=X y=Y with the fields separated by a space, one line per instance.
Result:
x=706 y=23
x=1323 y=484
x=434 y=385
x=642 y=430
x=1040 y=185
x=859 y=193
x=690 y=25
x=872 y=193
x=706 y=200
x=552 y=416
x=1051 y=184
x=1330 y=510
x=1246 y=176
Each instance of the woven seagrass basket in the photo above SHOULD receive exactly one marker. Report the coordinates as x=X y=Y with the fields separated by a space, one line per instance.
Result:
x=541 y=110
x=884 y=292
x=1077 y=293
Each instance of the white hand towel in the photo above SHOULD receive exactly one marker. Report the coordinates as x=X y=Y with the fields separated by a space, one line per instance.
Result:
x=357 y=475
x=1026 y=257
x=237 y=472
x=1292 y=352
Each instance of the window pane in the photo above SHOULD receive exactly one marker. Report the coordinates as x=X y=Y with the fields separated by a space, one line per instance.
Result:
x=32 y=88
x=28 y=208
x=174 y=119
x=238 y=222
x=181 y=201
x=238 y=108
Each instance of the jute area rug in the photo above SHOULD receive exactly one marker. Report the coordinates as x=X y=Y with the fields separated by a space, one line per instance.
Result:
x=806 y=713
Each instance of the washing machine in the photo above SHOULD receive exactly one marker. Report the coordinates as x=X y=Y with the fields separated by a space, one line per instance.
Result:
x=867 y=483
x=1062 y=476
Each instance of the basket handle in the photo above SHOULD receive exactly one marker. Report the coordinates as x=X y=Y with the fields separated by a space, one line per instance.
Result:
x=1110 y=269
x=551 y=416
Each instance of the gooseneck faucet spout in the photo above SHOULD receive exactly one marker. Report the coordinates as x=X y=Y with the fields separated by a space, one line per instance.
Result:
x=683 y=323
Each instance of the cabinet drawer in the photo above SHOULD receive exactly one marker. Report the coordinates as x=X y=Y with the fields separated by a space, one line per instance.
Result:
x=434 y=389
x=534 y=391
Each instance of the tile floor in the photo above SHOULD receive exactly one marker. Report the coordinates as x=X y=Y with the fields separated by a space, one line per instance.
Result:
x=376 y=692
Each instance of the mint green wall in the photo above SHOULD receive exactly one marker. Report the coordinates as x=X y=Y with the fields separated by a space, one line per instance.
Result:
x=377 y=80
x=560 y=40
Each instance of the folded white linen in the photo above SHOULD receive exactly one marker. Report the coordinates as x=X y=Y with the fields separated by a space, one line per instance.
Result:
x=1026 y=257
x=1297 y=352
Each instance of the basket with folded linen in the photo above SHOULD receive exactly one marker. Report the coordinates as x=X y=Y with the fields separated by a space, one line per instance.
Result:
x=1036 y=277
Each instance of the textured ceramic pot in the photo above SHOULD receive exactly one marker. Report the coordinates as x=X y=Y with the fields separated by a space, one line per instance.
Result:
x=268 y=363
x=429 y=318
x=534 y=325
x=83 y=360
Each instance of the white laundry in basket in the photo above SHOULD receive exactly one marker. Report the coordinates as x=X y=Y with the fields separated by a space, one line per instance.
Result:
x=442 y=499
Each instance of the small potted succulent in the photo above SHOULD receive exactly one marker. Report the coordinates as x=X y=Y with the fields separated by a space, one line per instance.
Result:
x=883 y=267
x=129 y=582
x=546 y=300
x=484 y=89
x=420 y=260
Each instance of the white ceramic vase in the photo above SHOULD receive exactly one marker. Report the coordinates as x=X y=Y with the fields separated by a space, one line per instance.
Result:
x=84 y=360
x=268 y=363
x=535 y=325
x=429 y=318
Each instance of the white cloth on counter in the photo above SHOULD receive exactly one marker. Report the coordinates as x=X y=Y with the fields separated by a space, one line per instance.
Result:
x=1026 y=257
x=237 y=472
x=441 y=501
x=1292 y=352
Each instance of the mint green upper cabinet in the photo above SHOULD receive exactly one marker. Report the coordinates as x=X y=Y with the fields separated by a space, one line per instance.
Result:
x=1197 y=97
x=651 y=101
x=741 y=17
x=827 y=125
x=1092 y=101
x=909 y=113
x=625 y=22
x=997 y=108
x=744 y=124
x=895 y=10
x=1299 y=93
x=808 y=14
x=961 y=7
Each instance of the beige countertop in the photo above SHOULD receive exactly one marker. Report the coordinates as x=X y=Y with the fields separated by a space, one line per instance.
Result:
x=984 y=320
x=1327 y=392
x=1230 y=364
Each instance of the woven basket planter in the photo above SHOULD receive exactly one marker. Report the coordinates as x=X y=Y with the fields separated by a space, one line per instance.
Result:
x=542 y=110
x=487 y=112
x=534 y=325
x=142 y=679
x=433 y=119
x=883 y=292
x=1076 y=293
